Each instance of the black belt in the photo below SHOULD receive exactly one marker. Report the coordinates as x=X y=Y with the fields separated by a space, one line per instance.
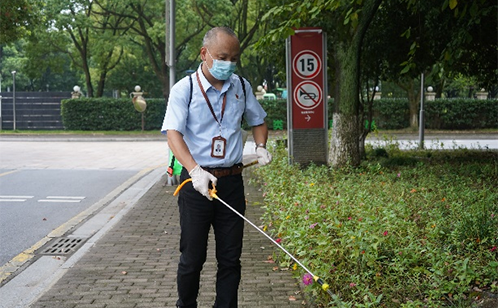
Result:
x=221 y=172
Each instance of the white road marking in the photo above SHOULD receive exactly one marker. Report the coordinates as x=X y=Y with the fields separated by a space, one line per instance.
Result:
x=15 y=198
x=65 y=199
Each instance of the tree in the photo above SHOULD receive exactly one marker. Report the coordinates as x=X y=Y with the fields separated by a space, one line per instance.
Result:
x=146 y=27
x=405 y=44
x=17 y=19
x=145 y=23
x=473 y=46
x=244 y=17
x=439 y=41
x=72 y=20
x=346 y=23
x=13 y=59
x=89 y=39
x=48 y=68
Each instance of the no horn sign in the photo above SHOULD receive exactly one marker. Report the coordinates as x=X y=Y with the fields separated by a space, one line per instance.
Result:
x=308 y=95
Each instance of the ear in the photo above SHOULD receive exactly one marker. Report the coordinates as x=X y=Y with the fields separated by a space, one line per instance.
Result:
x=203 y=53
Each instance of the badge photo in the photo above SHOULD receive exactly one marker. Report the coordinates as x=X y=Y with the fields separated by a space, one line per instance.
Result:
x=218 y=147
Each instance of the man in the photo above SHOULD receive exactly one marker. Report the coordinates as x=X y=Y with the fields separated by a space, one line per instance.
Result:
x=203 y=125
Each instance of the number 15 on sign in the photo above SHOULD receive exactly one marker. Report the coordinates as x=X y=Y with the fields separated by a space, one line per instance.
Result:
x=307 y=64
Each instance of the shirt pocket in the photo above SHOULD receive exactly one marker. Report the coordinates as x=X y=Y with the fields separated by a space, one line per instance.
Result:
x=234 y=111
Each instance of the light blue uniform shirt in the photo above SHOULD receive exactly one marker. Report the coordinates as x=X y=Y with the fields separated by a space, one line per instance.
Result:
x=197 y=124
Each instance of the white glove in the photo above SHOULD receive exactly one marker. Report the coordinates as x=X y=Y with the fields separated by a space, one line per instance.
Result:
x=264 y=157
x=201 y=179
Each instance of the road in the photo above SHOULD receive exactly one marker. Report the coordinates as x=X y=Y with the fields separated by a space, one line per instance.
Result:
x=34 y=202
x=49 y=186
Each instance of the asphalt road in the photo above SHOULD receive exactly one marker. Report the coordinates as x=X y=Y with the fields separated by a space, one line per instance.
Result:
x=49 y=186
x=34 y=202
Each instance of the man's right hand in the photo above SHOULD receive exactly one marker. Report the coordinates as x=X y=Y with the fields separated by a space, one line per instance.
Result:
x=201 y=179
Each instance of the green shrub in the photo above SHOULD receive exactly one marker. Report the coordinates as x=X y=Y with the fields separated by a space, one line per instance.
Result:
x=421 y=233
x=119 y=114
x=110 y=114
x=391 y=113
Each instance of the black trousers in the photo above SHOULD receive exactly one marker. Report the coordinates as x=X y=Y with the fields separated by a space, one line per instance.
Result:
x=197 y=215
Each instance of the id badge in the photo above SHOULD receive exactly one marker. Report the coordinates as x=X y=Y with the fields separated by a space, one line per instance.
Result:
x=218 y=147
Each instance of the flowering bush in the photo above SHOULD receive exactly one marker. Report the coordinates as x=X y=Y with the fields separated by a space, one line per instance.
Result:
x=414 y=229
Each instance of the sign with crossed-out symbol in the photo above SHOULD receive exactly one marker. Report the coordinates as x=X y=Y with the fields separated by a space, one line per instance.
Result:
x=308 y=95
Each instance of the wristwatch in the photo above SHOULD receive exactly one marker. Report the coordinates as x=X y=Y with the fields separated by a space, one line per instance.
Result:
x=261 y=145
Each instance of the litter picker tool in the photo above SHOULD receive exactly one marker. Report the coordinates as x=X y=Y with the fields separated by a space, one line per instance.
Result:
x=212 y=192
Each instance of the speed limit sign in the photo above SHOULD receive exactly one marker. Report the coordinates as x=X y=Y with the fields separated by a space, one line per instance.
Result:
x=307 y=64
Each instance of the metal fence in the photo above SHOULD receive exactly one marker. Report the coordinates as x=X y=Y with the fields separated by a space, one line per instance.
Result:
x=33 y=110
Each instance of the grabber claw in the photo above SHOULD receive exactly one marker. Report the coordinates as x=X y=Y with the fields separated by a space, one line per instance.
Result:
x=212 y=193
x=325 y=286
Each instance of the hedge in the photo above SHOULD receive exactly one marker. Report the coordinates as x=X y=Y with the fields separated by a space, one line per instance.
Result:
x=110 y=114
x=119 y=114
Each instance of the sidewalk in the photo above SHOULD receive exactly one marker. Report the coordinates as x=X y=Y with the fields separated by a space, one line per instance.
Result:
x=134 y=264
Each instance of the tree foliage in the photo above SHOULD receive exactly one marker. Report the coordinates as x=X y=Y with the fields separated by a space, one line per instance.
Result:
x=18 y=18
x=346 y=23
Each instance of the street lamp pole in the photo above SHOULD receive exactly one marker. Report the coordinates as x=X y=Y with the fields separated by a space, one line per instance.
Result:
x=421 y=123
x=14 y=99
x=170 y=40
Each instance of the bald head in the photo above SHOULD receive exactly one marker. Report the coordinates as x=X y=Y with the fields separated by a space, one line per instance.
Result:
x=211 y=37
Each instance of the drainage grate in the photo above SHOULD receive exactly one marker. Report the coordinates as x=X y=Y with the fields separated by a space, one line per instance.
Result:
x=63 y=246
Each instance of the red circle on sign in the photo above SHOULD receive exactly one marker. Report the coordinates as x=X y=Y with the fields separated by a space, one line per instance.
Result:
x=308 y=95
x=307 y=64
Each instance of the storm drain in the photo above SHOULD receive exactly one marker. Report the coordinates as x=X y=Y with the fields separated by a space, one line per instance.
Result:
x=64 y=246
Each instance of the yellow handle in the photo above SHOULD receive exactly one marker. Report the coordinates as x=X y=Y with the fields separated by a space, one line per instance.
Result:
x=180 y=186
x=212 y=192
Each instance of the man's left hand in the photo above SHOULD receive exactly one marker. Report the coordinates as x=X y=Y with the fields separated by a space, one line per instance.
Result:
x=264 y=157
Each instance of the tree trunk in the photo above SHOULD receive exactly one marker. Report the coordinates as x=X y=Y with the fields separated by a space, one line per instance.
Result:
x=413 y=100
x=101 y=84
x=88 y=78
x=344 y=147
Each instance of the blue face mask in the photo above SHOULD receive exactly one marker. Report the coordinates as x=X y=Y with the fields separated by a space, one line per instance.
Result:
x=221 y=70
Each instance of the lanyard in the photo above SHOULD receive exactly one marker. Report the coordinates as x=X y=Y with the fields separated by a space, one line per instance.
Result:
x=209 y=103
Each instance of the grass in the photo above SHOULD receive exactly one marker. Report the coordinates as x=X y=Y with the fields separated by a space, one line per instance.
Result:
x=405 y=229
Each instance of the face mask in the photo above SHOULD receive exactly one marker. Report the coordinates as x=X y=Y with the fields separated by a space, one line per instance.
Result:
x=221 y=70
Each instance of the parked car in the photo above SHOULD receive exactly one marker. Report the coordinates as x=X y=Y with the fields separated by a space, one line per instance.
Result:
x=281 y=92
x=269 y=96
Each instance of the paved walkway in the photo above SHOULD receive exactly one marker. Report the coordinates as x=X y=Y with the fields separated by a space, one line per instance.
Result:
x=134 y=264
